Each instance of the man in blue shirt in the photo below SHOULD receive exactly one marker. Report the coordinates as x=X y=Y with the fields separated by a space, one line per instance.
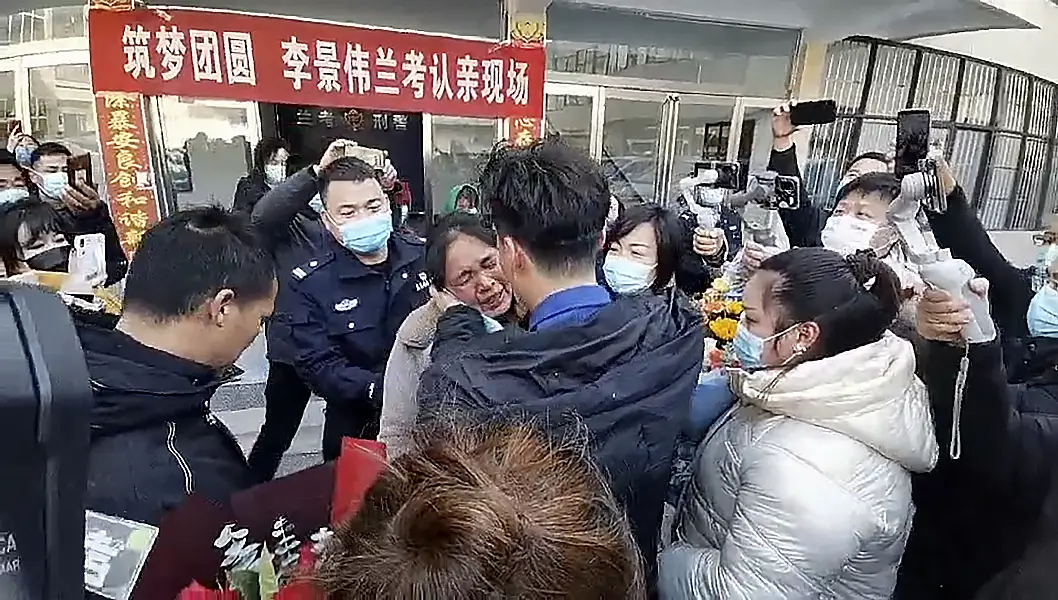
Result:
x=623 y=370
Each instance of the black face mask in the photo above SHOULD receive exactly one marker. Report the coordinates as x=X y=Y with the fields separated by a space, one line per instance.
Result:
x=54 y=259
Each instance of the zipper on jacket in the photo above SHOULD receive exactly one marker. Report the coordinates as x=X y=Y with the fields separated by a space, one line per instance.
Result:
x=170 y=443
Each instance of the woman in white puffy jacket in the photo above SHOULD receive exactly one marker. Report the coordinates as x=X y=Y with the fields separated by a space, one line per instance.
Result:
x=803 y=489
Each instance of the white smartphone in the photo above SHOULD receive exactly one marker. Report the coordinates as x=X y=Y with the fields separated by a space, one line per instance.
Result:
x=88 y=260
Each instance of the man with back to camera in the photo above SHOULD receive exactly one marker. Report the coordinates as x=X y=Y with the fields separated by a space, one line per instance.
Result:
x=80 y=207
x=200 y=285
x=342 y=308
x=622 y=369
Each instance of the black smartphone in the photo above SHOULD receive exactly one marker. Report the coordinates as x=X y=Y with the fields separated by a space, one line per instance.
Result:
x=815 y=112
x=912 y=141
x=79 y=170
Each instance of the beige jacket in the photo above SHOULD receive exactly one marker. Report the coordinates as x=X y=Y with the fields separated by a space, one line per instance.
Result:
x=407 y=361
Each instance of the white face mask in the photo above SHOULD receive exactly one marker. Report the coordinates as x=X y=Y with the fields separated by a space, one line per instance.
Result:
x=275 y=173
x=847 y=234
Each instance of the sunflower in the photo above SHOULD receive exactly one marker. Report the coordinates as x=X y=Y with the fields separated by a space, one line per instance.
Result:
x=735 y=308
x=723 y=328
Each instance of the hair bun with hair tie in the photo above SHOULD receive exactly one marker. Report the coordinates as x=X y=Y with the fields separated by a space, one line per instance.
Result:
x=862 y=263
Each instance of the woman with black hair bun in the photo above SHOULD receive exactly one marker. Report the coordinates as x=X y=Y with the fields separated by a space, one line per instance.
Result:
x=803 y=489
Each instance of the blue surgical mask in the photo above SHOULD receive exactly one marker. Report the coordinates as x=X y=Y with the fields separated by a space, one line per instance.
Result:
x=12 y=195
x=627 y=276
x=316 y=204
x=24 y=155
x=1042 y=316
x=367 y=236
x=749 y=347
x=53 y=185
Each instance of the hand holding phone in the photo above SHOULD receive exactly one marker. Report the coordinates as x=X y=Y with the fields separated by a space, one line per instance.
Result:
x=815 y=112
x=912 y=141
x=79 y=170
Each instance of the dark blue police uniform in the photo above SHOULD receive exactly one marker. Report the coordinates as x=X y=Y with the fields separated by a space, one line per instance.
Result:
x=342 y=317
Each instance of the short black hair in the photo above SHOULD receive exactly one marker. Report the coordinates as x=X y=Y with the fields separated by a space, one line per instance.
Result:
x=49 y=149
x=187 y=258
x=551 y=198
x=879 y=156
x=347 y=168
x=37 y=216
x=853 y=299
x=443 y=233
x=667 y=233
x=266 y=149
x=884 y=184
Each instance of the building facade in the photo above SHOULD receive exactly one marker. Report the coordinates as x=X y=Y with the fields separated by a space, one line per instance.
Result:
x=646 y=93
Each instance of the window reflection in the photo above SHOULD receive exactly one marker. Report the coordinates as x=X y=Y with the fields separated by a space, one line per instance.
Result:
x=62 y=109
x=207 y=149
x=459 y=146
x=7 y=102
x=43 y=24
x=738 y=59
x=630 y=141
x=570 y=117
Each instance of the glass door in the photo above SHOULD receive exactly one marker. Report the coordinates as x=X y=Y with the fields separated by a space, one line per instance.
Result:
x=206 y=147
x=8 y=97
x=755 y=139
x=573 y=111
x=636 y=143
x=703 y=130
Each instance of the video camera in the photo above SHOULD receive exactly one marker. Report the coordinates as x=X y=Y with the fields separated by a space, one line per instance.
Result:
x=45 y=409
x=770 y=191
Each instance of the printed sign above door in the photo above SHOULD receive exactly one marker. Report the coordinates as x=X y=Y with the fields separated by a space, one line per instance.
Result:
x=217 y=54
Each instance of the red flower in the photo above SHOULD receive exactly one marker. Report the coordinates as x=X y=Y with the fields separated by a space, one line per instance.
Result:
x=197 y=591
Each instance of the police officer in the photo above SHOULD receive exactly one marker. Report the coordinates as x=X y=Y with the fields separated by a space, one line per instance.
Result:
x=343 y=306
x=294 y=229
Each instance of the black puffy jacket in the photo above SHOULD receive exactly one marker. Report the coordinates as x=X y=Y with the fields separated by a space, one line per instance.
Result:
x=154 y=439
x=977 y=514
x=626 y=377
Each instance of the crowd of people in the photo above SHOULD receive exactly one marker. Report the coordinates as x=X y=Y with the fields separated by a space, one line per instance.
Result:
x=533 y=367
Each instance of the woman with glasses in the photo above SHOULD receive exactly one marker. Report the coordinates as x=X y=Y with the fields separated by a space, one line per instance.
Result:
x=463 y=267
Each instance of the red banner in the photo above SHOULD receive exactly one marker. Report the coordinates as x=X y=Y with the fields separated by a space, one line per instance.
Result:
x=215 y=54
x=127 y=164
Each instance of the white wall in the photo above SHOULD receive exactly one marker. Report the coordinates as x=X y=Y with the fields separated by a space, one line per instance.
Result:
x=1031 y=51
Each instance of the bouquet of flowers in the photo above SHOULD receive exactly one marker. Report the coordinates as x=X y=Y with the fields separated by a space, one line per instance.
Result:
x=720 y=316
x=253 y=571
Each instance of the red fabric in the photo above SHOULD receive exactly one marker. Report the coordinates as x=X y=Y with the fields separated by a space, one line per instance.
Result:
x=357 y=469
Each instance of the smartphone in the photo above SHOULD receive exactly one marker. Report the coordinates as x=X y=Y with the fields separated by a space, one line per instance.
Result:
x=816 y=112
x=912 y=141
x=14 y=125
x=372 y=156
x=79 y=169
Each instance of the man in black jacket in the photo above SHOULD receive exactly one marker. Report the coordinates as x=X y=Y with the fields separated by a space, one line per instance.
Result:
x=622 y=370
x=79 y=206
x=199 y=287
